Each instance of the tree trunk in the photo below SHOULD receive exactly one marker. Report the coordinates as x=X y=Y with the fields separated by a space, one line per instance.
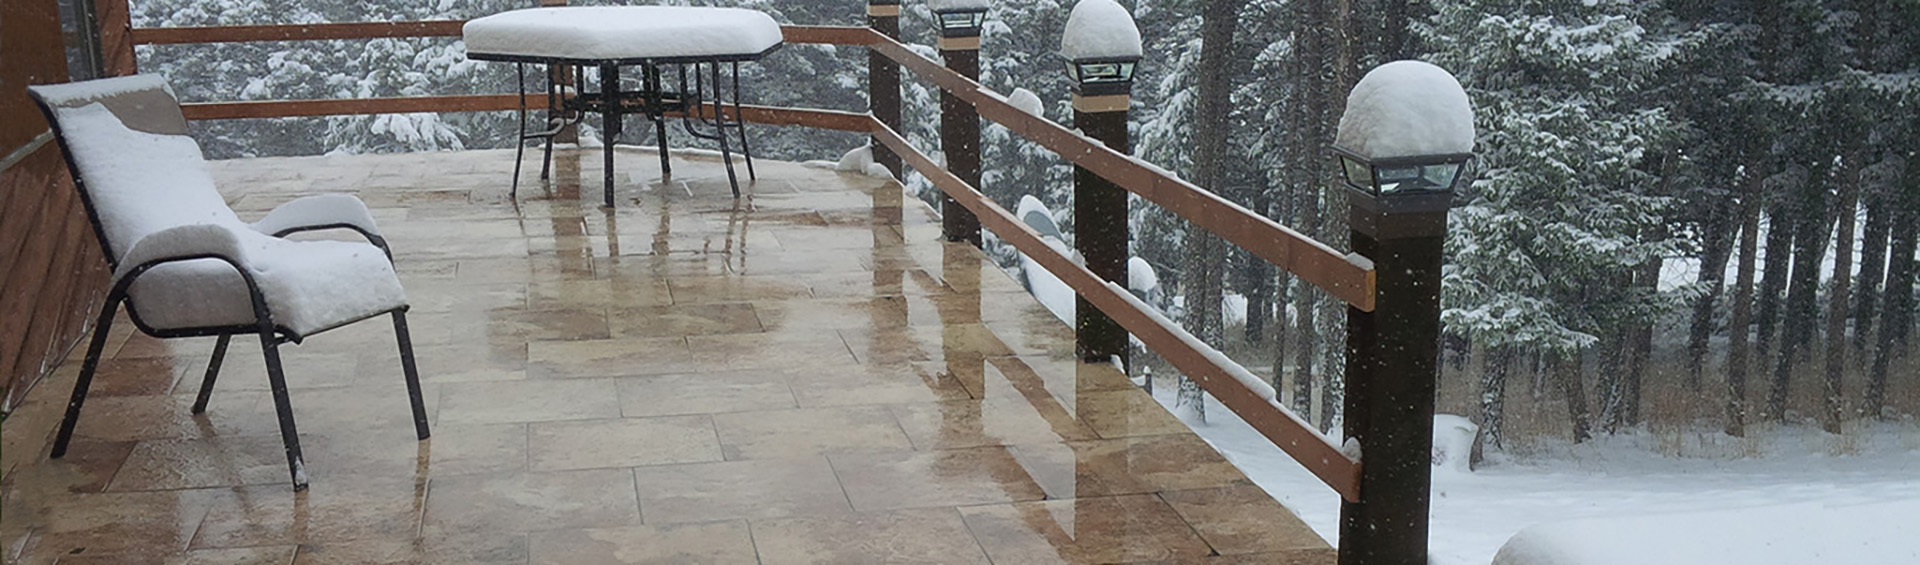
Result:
x=1611 y=383
x=1716 y=246
x=1493 y=394
x=1810 y=246
x=1896 y=319
x=1206 y=252
x=1567 y=372
x=1773 y=282
x=1640 y=344
x=1741 y=316
x=1873 y=265
x=1832 y=394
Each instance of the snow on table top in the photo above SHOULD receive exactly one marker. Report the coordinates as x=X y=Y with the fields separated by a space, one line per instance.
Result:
x=1407 y=108
x=1099 y=29
x=623 y=32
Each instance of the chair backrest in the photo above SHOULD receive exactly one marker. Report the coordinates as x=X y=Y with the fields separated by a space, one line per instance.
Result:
x=126 y=146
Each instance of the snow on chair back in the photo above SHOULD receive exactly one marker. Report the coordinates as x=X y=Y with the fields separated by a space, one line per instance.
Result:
x=142 y=102
x=136 y=182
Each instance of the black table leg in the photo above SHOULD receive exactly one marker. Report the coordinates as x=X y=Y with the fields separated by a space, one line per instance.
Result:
x=610 y=112
x=656 y=96
x=720 y=126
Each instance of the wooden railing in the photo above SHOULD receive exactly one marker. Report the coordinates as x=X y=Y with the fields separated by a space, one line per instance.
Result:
x=1350 y=278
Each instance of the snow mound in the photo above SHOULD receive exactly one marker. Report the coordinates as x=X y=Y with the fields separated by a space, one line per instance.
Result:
x=623 y=32
x=860 y=161
x=1782 y=535
x=1407 y=108
x=1027 y=102
x=1140 y=275
x=1100 y=29
x=1453 y=442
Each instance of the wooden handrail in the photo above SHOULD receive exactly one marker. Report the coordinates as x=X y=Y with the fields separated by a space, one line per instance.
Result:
x=1293 y=435
x=295 y=32
x=1350 y=280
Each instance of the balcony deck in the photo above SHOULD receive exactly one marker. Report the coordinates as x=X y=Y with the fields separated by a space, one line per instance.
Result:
x=806 y=376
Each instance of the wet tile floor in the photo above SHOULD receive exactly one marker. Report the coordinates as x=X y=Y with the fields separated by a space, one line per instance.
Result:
x=808 y=375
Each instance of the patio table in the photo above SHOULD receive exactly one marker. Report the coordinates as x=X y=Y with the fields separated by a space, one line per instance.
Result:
x=652 y=38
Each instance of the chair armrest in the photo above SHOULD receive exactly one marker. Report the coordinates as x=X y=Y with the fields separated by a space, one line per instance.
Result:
x=181 y=243
x=319 y=212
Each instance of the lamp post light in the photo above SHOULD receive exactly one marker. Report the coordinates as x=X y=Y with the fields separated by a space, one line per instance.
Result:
x=960 y=23
x=1403 y=145
x=1102 y=48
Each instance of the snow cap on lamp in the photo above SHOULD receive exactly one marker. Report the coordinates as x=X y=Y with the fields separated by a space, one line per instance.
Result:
x=1406 y=137
x=1407 y=109
x=1102 y=47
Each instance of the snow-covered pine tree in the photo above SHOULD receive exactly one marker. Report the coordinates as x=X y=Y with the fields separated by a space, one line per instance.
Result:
x=1561 y=213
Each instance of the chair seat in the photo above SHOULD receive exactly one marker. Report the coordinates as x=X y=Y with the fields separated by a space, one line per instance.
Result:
x=309 y=286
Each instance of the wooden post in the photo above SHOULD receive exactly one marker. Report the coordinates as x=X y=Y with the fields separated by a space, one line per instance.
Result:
x=960 y=132
x=883 y=80
x=1392 y=367
x=1101 y=232
x=116 y=38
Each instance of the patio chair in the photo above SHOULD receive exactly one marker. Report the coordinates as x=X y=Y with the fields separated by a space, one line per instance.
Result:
x=187 y=266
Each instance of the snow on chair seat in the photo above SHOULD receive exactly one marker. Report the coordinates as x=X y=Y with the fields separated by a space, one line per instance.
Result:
x=624 y=32
x=143 y=185
x=188 y=266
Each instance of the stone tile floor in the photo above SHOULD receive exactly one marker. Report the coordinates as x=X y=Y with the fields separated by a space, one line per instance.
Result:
x=808 y=375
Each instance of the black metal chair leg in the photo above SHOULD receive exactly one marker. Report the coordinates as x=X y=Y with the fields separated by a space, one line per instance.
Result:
x=413 y=374
x=213 y=372
x=283 y=408
x=87 y=368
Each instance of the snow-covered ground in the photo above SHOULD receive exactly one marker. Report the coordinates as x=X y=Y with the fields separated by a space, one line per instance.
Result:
x=1629 y=475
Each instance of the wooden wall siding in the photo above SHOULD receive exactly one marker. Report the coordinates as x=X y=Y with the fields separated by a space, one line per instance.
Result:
x=51 y=272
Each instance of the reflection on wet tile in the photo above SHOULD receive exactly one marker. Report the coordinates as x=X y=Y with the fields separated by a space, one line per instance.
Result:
x=268 y=555
x=1088 y=530
x=704 y=393
x=132 y=418
x=713 y=542
x=453 y=450
x=1124 y=413
x=434 y=549
x=629 y=442
x=872 y=384
x=528 y=401
x=137 y=376
x=926 y=536
x=917 y=479
x=1128 y=465
x=702 y=290
x=1243 y=520
x=769 y=351
x=202 y=463
x=608 y=358
x=87 y=467
x=807 y=432
x=331 y=511
x=994 y=421
x=684 y=320
x=118 y=523
x=595 y=498
x=702 y=492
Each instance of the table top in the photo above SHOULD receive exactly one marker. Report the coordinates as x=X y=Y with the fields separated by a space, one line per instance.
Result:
x=622 y=35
